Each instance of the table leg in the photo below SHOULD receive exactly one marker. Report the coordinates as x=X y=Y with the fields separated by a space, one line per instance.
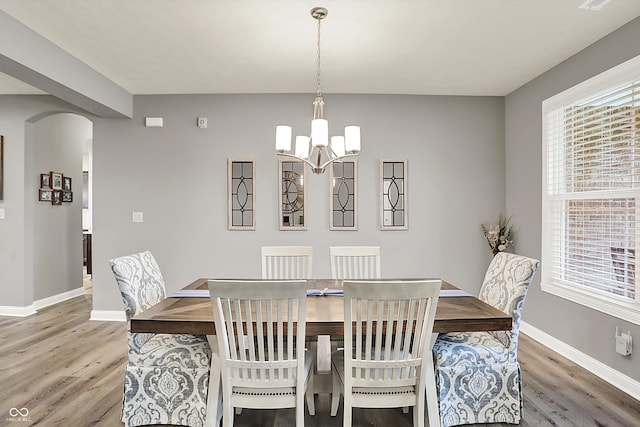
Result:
x=323 y=359
x=432 y=417
x=214 y=398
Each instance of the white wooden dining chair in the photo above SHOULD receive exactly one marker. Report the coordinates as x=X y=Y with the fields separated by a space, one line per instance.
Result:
x=477 y=373
x=167 y=375
x=349 y=262
x=355 y=262
x=287 y=262
x=386 y=366
x=261 y=327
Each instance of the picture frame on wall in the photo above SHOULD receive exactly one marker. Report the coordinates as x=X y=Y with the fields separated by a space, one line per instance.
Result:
x=45 y=181
x=56 y=181
x=67 y=196
x=56 y=197
x=45 y=195
x=393 y=194
x=291 y=195
x=241 y=194
x=66 y=183
x=343 y=195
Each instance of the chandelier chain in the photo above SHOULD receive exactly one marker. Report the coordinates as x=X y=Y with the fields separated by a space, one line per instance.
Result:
x=318 y=91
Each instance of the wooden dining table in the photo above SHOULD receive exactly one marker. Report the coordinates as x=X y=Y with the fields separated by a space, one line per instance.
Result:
x=325 y=314
x=456 y=312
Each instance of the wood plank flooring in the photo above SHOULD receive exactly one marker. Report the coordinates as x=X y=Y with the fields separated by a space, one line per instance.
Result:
x=69 y=371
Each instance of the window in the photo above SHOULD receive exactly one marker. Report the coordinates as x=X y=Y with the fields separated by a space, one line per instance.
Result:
x=591 y=192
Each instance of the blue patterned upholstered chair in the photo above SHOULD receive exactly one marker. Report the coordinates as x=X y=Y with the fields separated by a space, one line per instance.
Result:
x=167 y=375
x=477 y=373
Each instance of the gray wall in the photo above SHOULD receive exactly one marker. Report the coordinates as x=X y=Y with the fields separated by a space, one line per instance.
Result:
x=587 y=330
x=177 y=177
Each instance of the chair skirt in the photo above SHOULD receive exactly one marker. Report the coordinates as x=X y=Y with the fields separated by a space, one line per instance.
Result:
x=478 y=380
x=166 y=380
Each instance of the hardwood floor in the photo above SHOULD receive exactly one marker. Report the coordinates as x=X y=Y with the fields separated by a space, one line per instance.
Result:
x=69 y=371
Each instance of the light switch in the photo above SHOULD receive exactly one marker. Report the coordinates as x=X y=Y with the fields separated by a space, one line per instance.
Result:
x=153 y=122
x=138 y=217
x=1 y=213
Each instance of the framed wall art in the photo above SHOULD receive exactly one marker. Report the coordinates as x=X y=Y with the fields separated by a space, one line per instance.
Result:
x=45 y=180
x=393 y=195
x=343 y=195
x=44 y=195
x=55 y=188
x=241 y=185
x=56 y=181
x=291 y=195
x=56 y=197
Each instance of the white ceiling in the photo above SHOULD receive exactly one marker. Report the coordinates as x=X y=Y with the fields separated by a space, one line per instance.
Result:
x=447 y=47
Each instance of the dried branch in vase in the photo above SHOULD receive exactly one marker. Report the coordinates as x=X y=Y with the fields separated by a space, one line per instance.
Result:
x=499 y=236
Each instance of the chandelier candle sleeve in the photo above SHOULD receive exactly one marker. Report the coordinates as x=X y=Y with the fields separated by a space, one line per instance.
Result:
x=352 y=139
x=283 y=138
x=319 y=133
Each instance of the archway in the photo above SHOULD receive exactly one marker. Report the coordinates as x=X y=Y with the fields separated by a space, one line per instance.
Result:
x=57 y=145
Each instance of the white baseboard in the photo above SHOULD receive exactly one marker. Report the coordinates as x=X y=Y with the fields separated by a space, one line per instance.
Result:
x=610 y=375
x=15 y=311
x=9 y=310
x=55 y=299
x=108 y=315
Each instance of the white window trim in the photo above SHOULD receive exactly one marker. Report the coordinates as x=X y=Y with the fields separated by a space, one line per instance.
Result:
x=629 y=311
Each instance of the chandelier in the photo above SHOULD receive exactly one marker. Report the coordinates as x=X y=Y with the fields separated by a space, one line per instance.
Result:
x=315 y=149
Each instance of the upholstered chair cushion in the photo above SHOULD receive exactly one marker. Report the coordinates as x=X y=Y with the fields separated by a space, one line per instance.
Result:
x=477 y=373
x=167 y=375
x=505 y=287
x=167 y=381
x=471 y=348
x=140 y=282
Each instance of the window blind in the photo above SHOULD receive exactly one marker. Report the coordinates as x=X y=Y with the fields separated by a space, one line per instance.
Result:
x=592 y=188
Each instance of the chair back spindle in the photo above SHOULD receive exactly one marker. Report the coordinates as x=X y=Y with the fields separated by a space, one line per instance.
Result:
x=261 y=328
x=287 y=262
x=355 y=262
x=387 y=361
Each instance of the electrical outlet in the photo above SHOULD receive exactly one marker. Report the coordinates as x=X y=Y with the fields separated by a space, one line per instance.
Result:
x=202 y=122
x=623 y=342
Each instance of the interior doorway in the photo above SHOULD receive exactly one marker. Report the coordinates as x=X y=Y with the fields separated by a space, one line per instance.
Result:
x=57 y=146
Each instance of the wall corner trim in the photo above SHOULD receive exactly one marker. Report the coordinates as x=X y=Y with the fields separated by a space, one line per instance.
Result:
x=610 y=375
x=108 y=315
